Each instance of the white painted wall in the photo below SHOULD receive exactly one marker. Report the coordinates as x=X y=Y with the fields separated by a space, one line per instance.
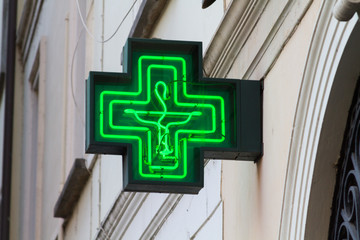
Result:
x=198 y=216
x=32 y=209
x=115 y=12
x=239 y=199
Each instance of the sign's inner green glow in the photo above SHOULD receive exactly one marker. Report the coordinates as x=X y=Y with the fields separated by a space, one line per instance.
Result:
x=164 y=114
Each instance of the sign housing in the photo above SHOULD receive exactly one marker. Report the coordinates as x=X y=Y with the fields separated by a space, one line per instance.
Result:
x=165 y=118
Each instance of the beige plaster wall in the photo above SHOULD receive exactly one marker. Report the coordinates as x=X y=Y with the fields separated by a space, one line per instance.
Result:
x=253 y=193
x=198 y=25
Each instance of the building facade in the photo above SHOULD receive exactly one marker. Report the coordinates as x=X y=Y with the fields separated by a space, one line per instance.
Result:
x=307 y=54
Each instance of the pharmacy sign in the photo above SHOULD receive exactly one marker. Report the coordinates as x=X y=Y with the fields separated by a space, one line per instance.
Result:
x=165 y=118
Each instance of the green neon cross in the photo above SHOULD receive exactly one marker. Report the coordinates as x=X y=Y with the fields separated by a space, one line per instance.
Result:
x=163 y=118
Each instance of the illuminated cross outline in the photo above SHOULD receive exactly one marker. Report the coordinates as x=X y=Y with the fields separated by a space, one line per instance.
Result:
x=236 y=133
x=159 y=171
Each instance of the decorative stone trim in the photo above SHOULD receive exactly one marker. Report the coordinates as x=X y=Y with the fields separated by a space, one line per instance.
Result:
x=328 y=43
x=244 y=22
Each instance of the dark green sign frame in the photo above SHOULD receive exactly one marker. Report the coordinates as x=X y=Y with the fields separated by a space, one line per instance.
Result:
x=165 y=118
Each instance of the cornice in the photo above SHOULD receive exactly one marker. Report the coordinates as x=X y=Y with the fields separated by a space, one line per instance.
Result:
x=245 y=21
x=234 y=30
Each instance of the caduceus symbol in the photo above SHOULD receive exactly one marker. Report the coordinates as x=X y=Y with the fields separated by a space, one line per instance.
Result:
x=163 y=147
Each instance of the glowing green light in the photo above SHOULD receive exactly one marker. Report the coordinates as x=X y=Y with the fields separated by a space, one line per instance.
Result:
x=165 y=118
x=168 y=148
